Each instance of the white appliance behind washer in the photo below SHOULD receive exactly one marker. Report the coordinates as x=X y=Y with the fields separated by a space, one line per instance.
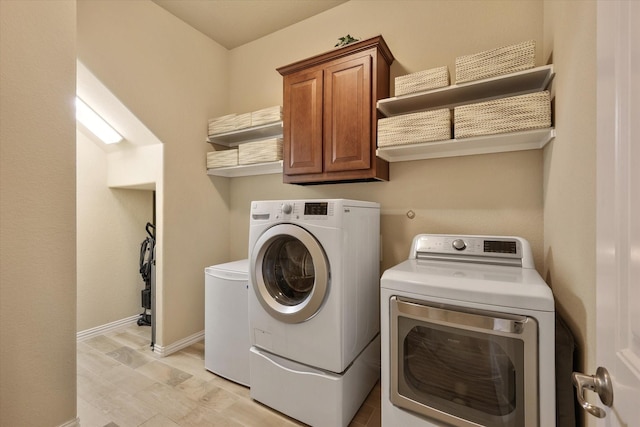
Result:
x=459 y=306
x=314 y=306
x=226 y=321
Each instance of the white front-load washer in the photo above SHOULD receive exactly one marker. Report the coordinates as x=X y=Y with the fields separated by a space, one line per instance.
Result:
x=468 y=335
x=314 y=313
x=314 y=274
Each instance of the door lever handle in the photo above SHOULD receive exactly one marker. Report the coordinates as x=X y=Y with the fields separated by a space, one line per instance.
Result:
x=600 y=383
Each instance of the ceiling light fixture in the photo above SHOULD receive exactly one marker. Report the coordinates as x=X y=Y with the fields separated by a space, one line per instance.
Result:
x=96 y=124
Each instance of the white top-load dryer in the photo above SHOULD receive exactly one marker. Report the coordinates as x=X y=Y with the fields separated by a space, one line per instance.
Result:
x=226 y=317
x=468 y=335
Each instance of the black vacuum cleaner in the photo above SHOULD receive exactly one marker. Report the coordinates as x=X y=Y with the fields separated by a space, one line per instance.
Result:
x=147 y=264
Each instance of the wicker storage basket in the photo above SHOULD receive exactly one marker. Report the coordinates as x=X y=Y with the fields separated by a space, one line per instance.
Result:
x=266 y=150
x=222 y=158
x=517 y=113
x=496 y=62
x=222 y=124
x=425 y=126
x=422 y=80
x=266 y=115
x=243 y=121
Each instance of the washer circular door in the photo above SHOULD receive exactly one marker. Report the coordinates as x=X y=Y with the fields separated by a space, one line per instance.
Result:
x=290 y=273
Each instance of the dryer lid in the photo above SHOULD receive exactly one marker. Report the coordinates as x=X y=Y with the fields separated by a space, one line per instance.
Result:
x=499 y=286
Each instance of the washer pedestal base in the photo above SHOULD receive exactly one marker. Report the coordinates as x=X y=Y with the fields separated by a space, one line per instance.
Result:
x=315 y=397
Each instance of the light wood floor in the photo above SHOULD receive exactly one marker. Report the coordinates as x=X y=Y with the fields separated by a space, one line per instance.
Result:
x=122 y=383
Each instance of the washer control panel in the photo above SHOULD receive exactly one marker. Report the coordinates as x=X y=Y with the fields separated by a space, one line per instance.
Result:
x=298 y=209
x=322 y=210
x=287 y=208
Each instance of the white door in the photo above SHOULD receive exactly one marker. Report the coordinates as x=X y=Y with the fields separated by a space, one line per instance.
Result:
x=618 y=208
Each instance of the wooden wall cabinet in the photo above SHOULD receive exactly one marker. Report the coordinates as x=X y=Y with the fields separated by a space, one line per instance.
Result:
x=330 y=115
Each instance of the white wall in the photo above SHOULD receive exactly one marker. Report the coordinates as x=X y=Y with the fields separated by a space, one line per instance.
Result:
x=37 y=213
x=569 y=178
x=110 y=227
x=111 y=221
x=493 y=194
x=175 y=91
x=487 y=194
x=174 y=80
x=547 y=196
x=137 y=167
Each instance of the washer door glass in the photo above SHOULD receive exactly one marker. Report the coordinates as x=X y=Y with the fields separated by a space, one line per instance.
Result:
x=289 y=273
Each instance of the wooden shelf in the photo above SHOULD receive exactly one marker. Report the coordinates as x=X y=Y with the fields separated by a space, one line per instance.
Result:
x=237 y=137
x=520 y=83
x=516 y=141
x=247 y=170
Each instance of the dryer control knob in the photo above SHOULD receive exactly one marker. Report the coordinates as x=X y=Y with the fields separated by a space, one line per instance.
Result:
x=459 y=244
x=287 y=208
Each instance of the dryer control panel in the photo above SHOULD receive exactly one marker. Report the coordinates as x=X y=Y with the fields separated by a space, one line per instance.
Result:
x=502 y=250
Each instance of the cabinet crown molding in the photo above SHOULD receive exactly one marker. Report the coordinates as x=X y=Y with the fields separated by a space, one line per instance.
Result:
x=363 y=45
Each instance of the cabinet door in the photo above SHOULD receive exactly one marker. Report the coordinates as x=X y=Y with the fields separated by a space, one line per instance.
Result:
x=302 y=113
x=347 y=110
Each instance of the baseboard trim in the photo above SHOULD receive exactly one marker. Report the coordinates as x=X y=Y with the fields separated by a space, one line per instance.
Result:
x=109 y=327
x=72 y=423
x=163 y=351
